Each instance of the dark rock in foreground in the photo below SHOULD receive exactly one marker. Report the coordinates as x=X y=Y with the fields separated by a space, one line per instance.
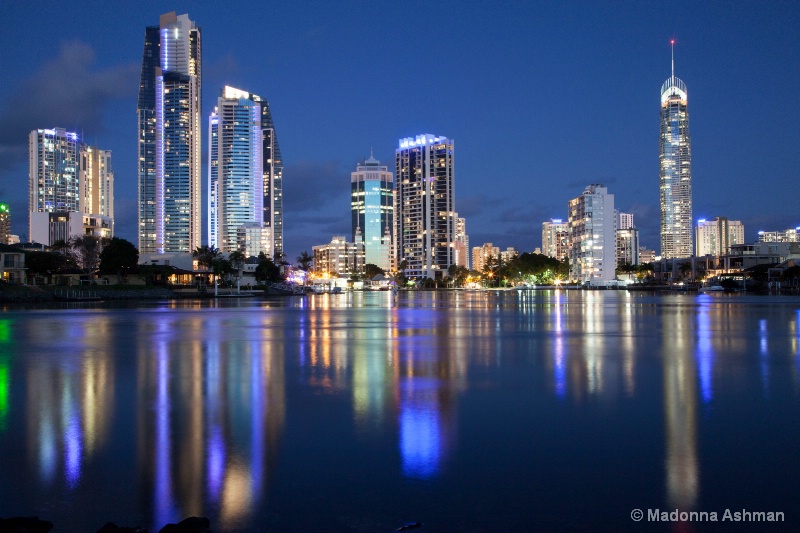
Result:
x=193 y=524
x=24 y=524
x=111 y=527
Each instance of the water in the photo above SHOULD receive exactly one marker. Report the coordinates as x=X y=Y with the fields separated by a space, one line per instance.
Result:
x=467 y=411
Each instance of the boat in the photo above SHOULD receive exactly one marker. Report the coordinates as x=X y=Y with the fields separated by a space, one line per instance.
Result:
x=712 y=288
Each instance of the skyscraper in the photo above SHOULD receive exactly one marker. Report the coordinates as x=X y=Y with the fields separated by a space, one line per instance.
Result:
x=592 y=233
x=425 y=206
x=675 y=157
x=168 y=111
x=53 y=172
x=372 y=207
x=235 y=168
x=97 y=183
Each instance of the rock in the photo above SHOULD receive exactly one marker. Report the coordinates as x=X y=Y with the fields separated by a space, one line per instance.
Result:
x=111 y=527
x=193 y=524
x=24 y=524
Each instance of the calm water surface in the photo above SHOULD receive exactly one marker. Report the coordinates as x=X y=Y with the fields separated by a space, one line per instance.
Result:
x=467 y=411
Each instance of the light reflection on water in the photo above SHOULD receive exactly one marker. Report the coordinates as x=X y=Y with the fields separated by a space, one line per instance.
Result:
x=240 y=410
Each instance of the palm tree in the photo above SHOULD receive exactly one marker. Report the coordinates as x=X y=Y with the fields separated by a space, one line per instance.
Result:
x=206 y=255
x=304 y=261
x=237 y=260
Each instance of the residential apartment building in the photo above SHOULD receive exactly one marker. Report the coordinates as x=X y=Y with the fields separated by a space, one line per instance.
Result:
x=555 y=238
x=715 y=237
x=169 y=137
x=675 y=159
x=425 y=206
x=339 y=257
x=592 y=233
x=242 y=172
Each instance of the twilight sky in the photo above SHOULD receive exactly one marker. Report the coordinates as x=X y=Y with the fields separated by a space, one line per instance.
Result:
x=541 y=99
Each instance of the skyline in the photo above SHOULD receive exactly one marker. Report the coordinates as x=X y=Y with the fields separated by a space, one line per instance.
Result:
x=539 y=107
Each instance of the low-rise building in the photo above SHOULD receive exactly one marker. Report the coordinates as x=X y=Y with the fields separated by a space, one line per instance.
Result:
x=339 y=257
x=12 y=264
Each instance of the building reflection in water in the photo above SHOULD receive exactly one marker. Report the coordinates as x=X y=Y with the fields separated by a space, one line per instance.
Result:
x=680 y=408
x=429 y=371
x=6 y=351
x=213 y=433
x=705 y=353
x=70 y=404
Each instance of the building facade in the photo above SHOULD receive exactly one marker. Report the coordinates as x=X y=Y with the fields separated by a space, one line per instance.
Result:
x=789 y=235
x=483 y=255
x=592 y=233
x=5 y=224
x=555 y=238
x=169 y=137
x=372 y=211
x=339 y=257
x=462 y=243
x=53 y=172
x=235 y=169
x=627 y=242
x=675 y=158
x=715 y=237
x=425 y=206
x=97 y=184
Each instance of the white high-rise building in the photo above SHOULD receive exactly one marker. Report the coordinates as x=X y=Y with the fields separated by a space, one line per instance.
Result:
x=462 y=243
x=715 y=237
x=592 y=233
x=97 y=183
x=53 y=172
x=555 y=238
x=624 y=220
x=675 y=156
x=425 y=206
x=239 y=151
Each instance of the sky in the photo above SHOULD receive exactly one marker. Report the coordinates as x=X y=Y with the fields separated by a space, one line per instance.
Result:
x=540 y=98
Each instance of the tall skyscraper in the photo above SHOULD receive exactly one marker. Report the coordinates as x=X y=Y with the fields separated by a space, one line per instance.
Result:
x=372 y=207
x=425 y=206
x=168 y=111
x=675 y=157
x=244 y=173
x=592 y=232
x=53 y=172
x=97 y=183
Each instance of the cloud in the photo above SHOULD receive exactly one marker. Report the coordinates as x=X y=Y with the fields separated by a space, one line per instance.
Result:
x=312 y=186
x=582 y=184
x=468 y=206
x=65 y=92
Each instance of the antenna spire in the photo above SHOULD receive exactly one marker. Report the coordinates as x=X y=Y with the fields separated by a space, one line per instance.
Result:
x=672 y=44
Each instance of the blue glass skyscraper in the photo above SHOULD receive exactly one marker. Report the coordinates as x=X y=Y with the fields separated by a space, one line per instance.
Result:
x=372 y=206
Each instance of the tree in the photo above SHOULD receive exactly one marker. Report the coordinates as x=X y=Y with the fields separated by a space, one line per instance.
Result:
x=267 y=270
x=118 y=257
x=87 y=249
x=370 y=270
x=304 y=261
x=46 y=263
x=206 y=255
x=400 y=279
